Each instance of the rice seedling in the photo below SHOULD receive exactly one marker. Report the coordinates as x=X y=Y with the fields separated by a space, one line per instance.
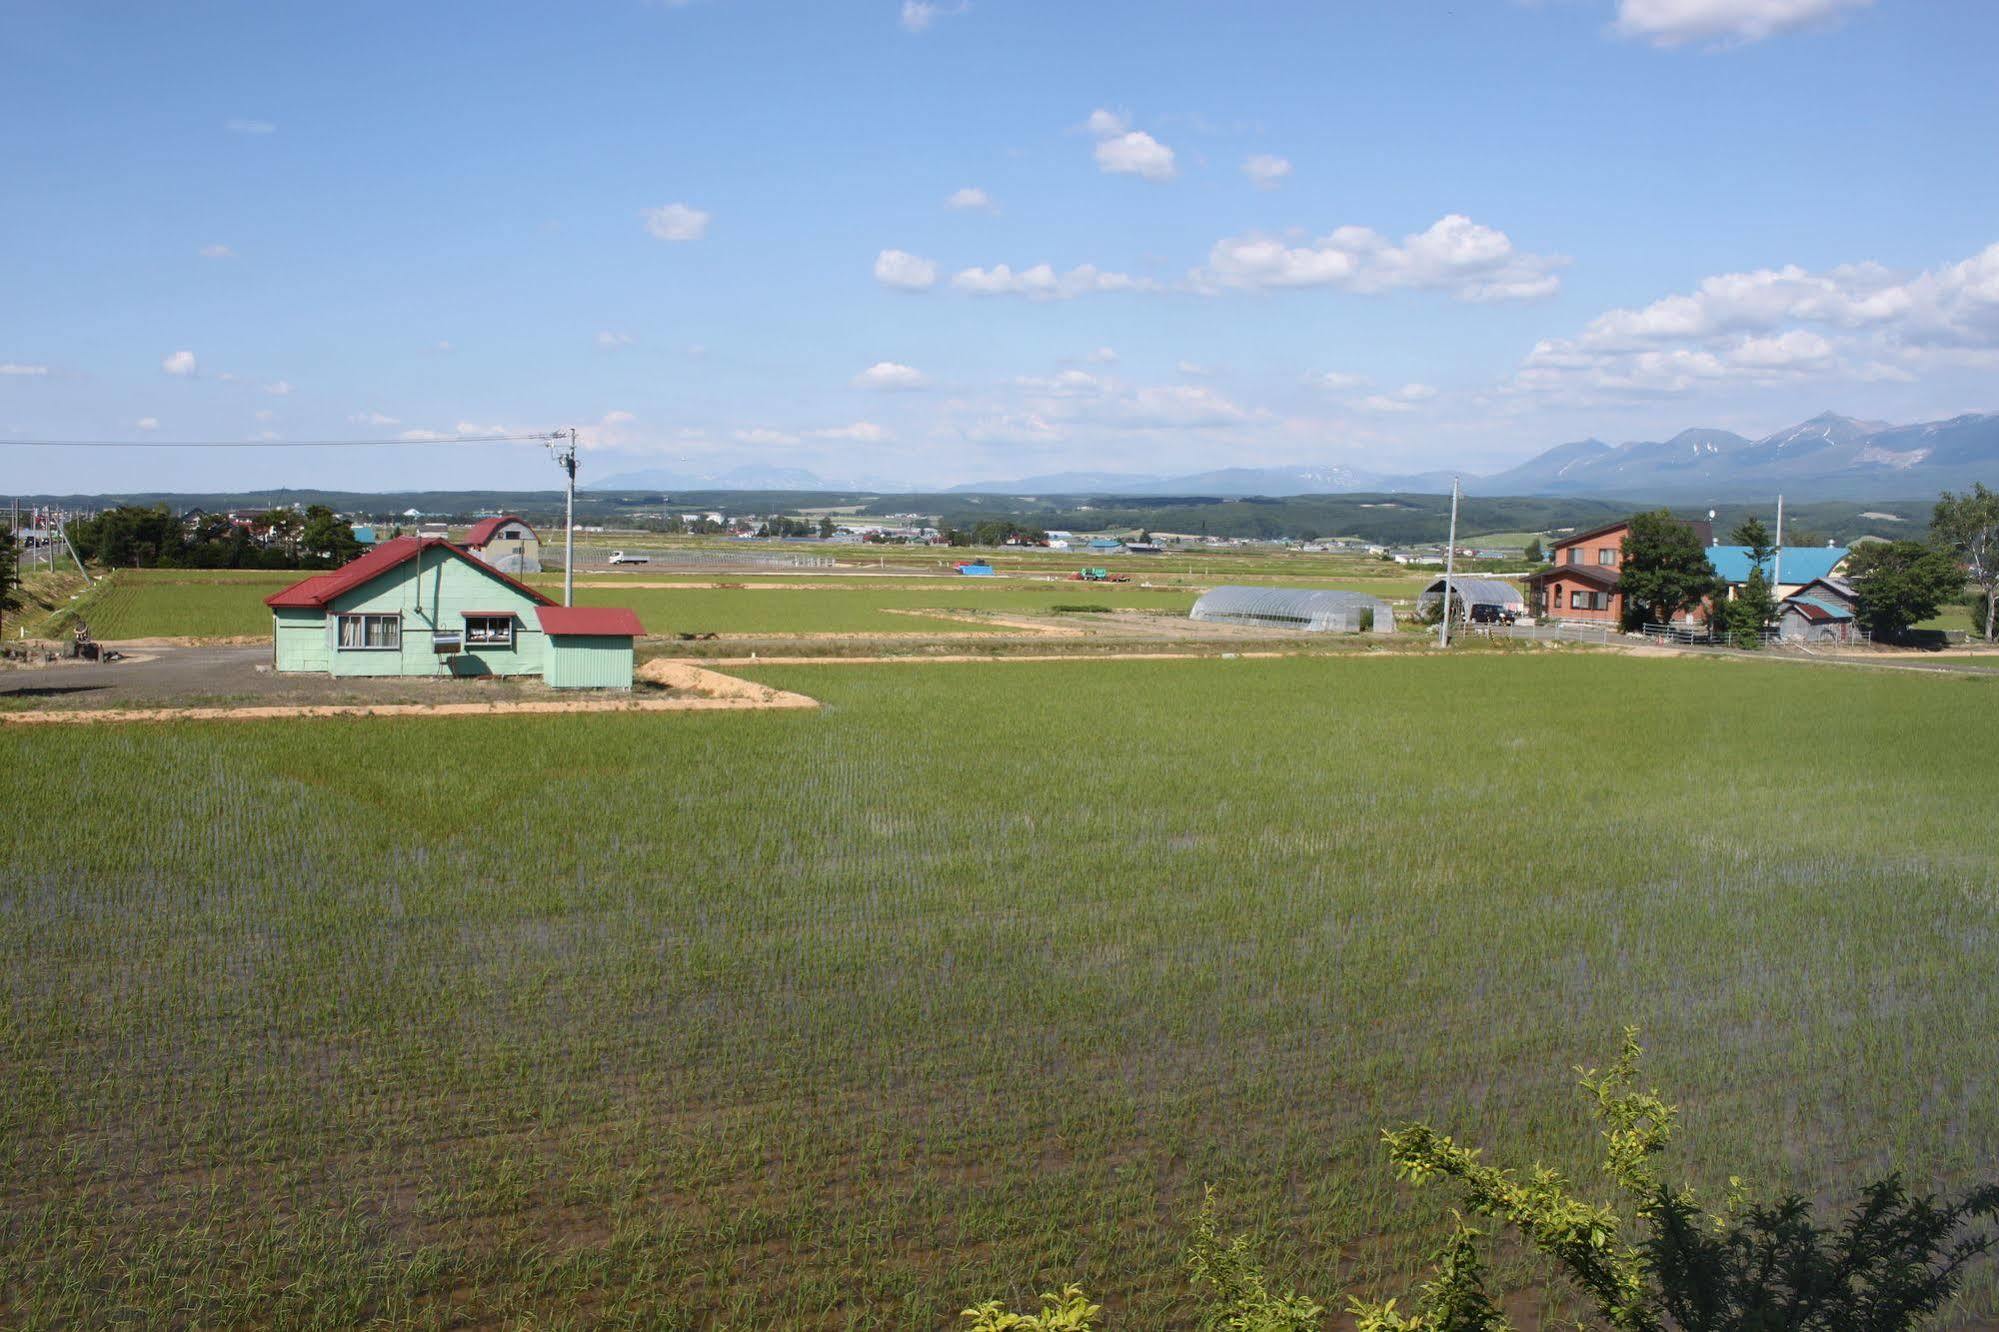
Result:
x=962 y=987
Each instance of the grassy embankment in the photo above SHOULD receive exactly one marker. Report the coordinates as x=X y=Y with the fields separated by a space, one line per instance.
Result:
x=962 y=986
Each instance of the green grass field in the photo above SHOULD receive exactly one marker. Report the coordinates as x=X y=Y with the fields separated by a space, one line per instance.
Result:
x=153 y=603
x=962 y=986
x=872 y=609
x=174 y=603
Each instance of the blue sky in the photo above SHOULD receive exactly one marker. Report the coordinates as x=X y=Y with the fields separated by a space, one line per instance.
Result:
x=929 y=243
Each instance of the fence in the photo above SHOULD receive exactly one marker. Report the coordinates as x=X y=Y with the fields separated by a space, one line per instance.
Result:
x=1562 y=631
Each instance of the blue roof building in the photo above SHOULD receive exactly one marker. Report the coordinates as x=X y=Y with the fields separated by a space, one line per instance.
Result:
x=364 y=534
x=1798 y=564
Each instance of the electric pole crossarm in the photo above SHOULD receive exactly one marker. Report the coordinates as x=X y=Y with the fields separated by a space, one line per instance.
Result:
x=565 y=458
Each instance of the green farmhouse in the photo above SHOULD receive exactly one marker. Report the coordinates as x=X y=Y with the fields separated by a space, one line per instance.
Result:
x=424 y=607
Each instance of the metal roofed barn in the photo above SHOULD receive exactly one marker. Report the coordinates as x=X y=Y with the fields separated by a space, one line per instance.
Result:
x=1469 y=592
x=1311 y=610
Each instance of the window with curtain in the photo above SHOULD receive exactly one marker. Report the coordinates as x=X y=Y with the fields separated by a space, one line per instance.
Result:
x=370 y=633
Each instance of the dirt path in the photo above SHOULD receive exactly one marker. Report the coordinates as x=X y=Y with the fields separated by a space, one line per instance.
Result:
x=111 y=716
x=958 y=658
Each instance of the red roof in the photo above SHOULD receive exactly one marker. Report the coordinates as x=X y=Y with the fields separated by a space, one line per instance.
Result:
x=482 y=531
x=318 y=591
x=609 y=621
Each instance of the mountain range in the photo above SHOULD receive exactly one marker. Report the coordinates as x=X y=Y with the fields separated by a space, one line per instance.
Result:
x=1827 y=457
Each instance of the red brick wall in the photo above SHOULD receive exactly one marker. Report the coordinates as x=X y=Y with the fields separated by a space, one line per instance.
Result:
x=1561 y=588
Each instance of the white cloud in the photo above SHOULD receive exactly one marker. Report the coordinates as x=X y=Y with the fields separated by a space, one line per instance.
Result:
x=281 y=388
x=1103 y=356
x=969 y=199
x=899 y=268
x=217 y=252
x=373 y=419
x=462 y=430
x=17 y=368
x=610 y=339
x=1067 y=383
x=179 y=363
x=1726 y=22
x=1404 y=399
x=146 y=423
x=1043 y=283
x=1194 y=369
x=860 y=432
x=444 y=346
x=1775 y=325
x=1076 y=397
x=267 y=415
x=676 y=222
x=1336 y=380
x=1104 y=123
x=608 y=433
x=1136 y=153
x=763 y=436
x=1265 y=171
x=249 y=127
x=1471 y=261
x=918 y=15
x=890 y=376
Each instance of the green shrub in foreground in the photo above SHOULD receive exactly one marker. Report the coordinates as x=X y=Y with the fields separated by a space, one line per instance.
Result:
x=1664 y=1262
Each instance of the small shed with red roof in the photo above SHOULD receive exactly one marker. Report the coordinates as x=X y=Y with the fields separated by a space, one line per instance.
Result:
x=506 y=542
x=425 y=607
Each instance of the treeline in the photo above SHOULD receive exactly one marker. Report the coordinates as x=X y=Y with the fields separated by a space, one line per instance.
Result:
x=133 y=536
x=991 y=532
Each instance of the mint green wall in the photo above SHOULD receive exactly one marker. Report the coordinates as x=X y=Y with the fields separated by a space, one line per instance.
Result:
x=451 y=586
x=300 y=637
x=589 y=661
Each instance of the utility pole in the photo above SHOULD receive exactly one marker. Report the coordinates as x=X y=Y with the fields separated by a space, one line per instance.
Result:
x=565 y=458
x=1450 y=563
x=1777 y=557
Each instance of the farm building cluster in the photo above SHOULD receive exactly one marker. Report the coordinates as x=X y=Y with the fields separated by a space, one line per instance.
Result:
x=1581 y=583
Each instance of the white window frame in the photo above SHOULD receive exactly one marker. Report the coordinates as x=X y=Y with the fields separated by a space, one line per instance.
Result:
x=340 y=643
x=475 y=642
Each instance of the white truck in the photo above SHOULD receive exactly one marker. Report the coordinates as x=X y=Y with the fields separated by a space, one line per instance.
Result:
x=620 y=557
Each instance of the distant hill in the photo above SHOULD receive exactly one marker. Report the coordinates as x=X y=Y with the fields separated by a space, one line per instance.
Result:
x=1227 y=482
x=1827 y=457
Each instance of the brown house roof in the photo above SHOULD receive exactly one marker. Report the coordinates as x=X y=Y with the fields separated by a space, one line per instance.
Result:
x=1702 y=529
x=1602 y=575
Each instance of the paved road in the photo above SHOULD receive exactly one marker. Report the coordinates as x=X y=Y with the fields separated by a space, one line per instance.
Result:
x=152 y=676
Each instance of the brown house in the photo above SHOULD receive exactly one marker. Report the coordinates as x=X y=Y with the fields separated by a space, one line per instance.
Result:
x=1581 y=583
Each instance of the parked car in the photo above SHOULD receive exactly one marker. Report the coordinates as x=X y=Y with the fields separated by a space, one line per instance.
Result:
x=620 y=557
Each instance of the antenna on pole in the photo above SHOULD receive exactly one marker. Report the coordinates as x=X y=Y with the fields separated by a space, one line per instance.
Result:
x=1450 y=558
x=565 y=458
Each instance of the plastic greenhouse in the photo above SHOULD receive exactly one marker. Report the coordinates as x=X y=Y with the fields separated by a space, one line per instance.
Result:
x=1311 y=610
x=1469 y=592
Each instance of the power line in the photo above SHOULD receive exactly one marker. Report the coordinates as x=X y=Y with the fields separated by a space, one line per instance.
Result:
x=268 y=443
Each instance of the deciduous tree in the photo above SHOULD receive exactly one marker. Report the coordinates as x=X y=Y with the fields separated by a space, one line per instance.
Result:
x=10 y=576
x=1968 y=526
x=1901 y=584
x=1664 y=569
